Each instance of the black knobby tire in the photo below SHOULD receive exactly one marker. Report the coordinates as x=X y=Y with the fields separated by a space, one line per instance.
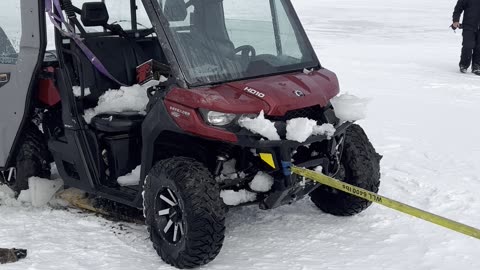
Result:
x=360 y=166
x=32 y=158
x=202 y=210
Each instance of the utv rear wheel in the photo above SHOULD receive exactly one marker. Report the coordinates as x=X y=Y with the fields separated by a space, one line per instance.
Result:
x=359 y=166
x=184 y=212
x=31 y=160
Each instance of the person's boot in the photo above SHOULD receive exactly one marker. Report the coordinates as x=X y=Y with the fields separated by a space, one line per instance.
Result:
x=476 y=70
x=11 y=255
x=463 y=69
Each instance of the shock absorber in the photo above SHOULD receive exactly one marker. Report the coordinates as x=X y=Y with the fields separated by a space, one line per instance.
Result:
x=223 y=155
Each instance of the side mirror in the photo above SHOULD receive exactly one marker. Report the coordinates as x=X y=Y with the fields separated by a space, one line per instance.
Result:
x=175 y=10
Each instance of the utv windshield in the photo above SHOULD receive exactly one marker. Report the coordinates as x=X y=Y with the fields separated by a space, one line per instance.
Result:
x=225 y=40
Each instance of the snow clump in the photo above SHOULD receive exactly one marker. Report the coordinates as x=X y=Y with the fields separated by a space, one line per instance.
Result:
x=325 y=129
x=232 y=198
x=300 y=129
x=77 y=91
x=130 y=179
x=349 y=107
x=261 y=126
x=262 y=182
x=40 y=193
x=127 y=98
x=42 y=190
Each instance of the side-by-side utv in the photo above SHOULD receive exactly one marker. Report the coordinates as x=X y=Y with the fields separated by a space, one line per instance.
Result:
x=221 y=61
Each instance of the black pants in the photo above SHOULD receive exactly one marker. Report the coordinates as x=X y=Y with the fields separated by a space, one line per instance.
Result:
x=471 y=49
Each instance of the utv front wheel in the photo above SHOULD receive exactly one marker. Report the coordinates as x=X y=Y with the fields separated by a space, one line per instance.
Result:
x=184 y=212
x=359 y=166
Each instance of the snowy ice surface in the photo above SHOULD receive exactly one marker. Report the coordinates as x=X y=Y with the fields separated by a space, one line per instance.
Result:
x=411 y=71
x=127 y=98
x=77 y=91
x=131 y=179
x=300 y=129
x=232 y=198
x=7 y=197
x=261 y=126
x=262 y=182
x=349 y=107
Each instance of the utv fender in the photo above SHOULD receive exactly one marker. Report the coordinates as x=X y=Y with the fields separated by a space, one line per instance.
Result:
x=156 y=122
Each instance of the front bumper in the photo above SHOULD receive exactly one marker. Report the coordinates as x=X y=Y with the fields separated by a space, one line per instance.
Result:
x=287 y=187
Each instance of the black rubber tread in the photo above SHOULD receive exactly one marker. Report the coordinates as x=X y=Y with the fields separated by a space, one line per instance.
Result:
x=31 y=158
x=203 y=210
x=362 y=169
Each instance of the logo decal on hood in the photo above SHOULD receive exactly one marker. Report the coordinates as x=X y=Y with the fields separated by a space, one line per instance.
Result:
x=254 y=92
x=299 y=93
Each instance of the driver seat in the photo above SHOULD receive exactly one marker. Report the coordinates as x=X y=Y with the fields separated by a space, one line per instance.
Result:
x=120 y=56
x=125 y=122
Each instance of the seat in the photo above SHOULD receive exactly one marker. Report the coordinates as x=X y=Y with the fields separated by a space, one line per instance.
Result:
x=119 y=55
x=125 y=122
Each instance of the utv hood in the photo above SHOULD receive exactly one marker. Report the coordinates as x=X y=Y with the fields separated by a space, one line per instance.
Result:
x=275 y=95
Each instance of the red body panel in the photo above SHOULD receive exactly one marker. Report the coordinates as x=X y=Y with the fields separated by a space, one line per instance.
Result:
x=275 y=95
x=47 y=91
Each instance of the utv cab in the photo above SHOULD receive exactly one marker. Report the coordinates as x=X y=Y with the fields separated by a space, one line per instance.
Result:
x=164 y=88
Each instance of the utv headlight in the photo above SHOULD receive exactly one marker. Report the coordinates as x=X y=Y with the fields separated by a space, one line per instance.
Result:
x=219 y=118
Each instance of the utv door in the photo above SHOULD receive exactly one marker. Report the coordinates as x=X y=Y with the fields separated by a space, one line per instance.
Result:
x=22 y=46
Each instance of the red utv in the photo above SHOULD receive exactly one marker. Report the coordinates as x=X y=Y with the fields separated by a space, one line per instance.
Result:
x=217 y=62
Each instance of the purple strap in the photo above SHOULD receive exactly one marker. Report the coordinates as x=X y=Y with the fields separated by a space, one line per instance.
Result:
x=57 y=21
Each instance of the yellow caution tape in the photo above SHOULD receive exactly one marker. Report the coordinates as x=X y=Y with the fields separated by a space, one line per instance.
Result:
x=373 y=197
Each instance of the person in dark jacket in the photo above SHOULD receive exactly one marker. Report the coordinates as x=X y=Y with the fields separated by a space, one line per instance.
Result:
x=471 y=33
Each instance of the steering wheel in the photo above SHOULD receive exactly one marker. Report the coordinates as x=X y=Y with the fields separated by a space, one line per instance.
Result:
x=120 y=22
x=247 y=51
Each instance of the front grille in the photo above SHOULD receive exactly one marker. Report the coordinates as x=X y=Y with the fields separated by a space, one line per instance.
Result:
x=314 y=113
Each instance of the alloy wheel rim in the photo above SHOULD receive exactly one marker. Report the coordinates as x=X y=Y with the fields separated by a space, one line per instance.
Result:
x=169 y=216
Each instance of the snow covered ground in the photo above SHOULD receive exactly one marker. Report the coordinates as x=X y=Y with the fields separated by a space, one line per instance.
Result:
x=422 y=118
